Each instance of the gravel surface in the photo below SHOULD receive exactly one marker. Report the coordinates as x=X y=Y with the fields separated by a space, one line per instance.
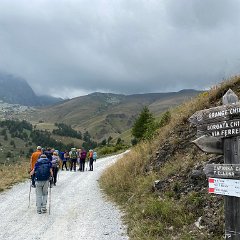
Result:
x=78 y=210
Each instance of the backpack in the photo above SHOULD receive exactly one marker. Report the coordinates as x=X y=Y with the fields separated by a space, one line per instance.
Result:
x=48 y=154
x=83 y=154
x=42 y=172
x=94 y=155
x=74 y=154
x=55 y=161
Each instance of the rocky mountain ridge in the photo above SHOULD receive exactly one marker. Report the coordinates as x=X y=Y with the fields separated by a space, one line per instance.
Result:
x=15 y=90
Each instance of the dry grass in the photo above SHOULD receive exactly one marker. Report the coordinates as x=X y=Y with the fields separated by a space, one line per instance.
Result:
x=129 y=181
x=11 y=174
x=133 y=164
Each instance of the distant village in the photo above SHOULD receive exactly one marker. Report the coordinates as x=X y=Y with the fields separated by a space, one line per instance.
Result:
x=11 y=111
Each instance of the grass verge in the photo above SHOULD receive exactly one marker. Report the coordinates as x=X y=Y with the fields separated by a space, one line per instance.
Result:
x=12 y=174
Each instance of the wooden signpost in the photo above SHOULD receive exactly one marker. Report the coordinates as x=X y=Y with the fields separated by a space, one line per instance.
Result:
x=220 y=130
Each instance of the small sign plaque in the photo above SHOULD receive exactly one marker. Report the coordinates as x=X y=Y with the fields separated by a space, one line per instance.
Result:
x=228 y=187
x=222 y=170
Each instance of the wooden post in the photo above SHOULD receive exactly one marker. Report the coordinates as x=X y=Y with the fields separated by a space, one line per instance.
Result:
x=216 y=124
x=232 y=204
x=231 y=154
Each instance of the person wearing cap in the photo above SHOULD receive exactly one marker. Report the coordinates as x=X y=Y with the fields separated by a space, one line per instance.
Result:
x=35 y=156
x=73 y=159
x=43 y=173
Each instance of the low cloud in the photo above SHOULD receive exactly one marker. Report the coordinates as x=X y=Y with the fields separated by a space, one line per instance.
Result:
x=73 y=47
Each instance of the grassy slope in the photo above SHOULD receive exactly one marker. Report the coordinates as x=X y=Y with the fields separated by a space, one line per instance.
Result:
x=13 y=173
x=171 y=211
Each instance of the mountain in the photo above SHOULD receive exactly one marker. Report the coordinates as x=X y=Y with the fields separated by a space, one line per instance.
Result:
x=16 y=90
x=108 y=114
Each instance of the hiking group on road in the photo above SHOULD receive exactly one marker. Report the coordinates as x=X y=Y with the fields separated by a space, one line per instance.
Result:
x=44 y=167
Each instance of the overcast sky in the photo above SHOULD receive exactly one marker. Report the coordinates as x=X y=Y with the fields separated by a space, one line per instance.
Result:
x=70 y=48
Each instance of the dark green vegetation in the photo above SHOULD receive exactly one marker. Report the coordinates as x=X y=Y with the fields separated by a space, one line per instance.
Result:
x=66 y=130
x=18 y=139
x=145 y=126
x=161 y=185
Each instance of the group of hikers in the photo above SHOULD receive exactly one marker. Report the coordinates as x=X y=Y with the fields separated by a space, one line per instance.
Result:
x=45 y=164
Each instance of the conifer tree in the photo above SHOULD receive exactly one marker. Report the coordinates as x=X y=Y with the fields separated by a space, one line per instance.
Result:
x=142 y=123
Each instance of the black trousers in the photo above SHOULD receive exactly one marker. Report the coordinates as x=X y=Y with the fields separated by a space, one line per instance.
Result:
x=91 y=164
x=73 y=164
x=55 y=172
x=82 y=165
x=64 y=164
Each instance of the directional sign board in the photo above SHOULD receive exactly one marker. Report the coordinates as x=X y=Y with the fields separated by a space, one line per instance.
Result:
x=220 y=129
x=222 y=171
x=228 y=187
x=216 y=114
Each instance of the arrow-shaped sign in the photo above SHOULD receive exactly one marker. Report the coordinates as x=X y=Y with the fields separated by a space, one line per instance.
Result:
x=209 y=144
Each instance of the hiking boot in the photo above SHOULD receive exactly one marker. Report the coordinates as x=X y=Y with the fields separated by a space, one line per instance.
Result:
x=44 y=210
x=39 y=212
x=33 y=186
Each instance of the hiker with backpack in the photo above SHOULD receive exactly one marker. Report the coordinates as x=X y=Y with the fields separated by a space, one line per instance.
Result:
x=35 y=156
x=90 y=160
x=83 y=156
x=48 y=153
x=61 y=156
x=65 y=159
x=78 y=154
x=43 y=172
x=94 y=156
x=55 y=166
x=73 y=159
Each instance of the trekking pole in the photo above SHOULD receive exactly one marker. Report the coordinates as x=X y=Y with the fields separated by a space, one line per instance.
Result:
x=50 y=198
x=58 y=174
x=29 y=196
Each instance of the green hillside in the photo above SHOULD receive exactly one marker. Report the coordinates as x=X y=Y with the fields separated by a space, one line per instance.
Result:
x=160 y=184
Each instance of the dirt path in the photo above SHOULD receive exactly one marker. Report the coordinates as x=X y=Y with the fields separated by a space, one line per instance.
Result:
x=78 y=210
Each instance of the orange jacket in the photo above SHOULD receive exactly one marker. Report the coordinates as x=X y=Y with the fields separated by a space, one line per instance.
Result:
x=35 y=156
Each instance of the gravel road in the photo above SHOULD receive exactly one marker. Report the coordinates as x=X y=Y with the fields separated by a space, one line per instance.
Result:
x=78 y=210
